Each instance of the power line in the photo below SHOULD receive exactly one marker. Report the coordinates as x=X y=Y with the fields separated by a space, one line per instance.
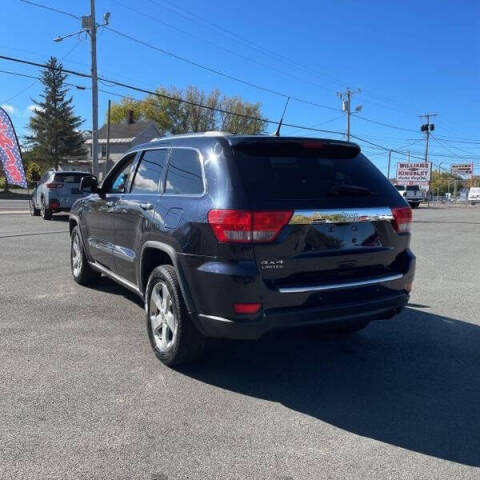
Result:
x=52 y=9
x=385 y=124
x=212 y=70
x=217 y=45
x=23 y=90
x=218 y=29
x=218 y=72
x=220 y=110
x=446 y=147
x=161 y=95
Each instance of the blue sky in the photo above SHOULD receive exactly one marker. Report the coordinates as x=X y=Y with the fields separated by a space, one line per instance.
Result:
x=407 y=57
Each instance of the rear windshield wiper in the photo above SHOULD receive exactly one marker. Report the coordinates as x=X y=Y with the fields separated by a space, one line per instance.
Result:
x=341 y=188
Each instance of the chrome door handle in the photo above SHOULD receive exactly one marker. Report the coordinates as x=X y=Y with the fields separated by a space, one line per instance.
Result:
x=146 y=206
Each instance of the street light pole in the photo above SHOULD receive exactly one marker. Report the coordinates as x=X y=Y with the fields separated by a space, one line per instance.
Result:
x=89 y=25
x=93 y=48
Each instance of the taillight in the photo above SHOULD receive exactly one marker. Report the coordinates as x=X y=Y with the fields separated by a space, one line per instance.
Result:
x=244 y=226
x=402 y=218
x=54 y=185
x=247 y=307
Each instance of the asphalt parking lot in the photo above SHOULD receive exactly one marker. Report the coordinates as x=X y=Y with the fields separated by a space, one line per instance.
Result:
x=83 y=397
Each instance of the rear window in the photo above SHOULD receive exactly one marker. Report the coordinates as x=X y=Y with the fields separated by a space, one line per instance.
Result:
x=413 y=188
x=400 y=188
x=184 y=174
x=69 y=177
x=309 y=175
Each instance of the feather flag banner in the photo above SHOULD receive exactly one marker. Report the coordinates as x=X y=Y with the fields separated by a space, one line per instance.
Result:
x=10 y=154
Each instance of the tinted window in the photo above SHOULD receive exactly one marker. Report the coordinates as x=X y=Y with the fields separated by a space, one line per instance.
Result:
x=413 y=188
x=69 y=177
x=149 y=172
x=120 y=178
x=184 y=174
x=310 y=176
x=400 y=188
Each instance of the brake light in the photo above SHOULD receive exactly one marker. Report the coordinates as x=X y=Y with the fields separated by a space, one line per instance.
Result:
x=53 y=204
x=246 y=307
x=402 y=218
x=244 y=226
x=54 y=185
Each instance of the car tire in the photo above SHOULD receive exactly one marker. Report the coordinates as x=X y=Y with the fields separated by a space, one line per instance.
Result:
x=82 y=272
x=46 y=212
x=34 y=211
x=171 y=331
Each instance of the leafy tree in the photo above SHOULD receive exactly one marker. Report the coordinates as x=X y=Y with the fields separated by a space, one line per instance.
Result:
x=54 y=127
x=175 y=117
x=33 y=172
x=444 y=182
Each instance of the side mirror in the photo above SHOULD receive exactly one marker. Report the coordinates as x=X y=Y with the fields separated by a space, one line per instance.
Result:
x=89 y=184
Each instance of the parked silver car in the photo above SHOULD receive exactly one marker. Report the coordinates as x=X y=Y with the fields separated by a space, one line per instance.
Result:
x=56 y=192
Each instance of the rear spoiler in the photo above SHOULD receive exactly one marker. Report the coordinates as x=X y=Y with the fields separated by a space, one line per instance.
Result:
x=294 y=147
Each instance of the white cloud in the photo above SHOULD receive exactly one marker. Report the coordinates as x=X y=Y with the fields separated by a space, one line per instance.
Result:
x=10 y=109
x=32 y=109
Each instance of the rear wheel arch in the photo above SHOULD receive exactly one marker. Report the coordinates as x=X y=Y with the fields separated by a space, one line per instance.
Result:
x=155 y=254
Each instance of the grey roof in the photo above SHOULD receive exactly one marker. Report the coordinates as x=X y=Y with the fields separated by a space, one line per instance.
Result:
x=125 y=130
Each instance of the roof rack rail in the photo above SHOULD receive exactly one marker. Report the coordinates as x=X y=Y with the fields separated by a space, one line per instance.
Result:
x=210 y=133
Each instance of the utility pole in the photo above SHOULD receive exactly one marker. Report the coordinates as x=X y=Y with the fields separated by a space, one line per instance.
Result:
x=90 y=25
x=346 y=106
x=92 y=30
x=427 y=128
x=107 y=152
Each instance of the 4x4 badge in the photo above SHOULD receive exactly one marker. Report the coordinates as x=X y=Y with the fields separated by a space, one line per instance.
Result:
x=272 y=264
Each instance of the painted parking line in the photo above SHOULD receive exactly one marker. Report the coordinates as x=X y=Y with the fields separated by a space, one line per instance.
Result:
x=14 y=212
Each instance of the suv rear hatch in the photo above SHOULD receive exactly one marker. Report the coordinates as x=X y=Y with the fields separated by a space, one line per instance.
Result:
x=67 y=184
x=346 y=219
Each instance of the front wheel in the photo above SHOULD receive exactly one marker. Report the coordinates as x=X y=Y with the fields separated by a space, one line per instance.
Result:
x=173 y=336
x=82 y=272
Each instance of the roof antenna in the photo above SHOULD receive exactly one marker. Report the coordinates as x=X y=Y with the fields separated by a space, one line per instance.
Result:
x=276 y=133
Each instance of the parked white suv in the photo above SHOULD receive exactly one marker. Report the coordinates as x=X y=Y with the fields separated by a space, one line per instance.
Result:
x=411 y=193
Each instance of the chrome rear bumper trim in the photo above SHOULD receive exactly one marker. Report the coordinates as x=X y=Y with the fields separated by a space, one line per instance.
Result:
x=341 y=215
x=340 y=286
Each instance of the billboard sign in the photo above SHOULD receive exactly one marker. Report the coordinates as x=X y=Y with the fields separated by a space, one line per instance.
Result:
x=414 y=174
x=462 y=170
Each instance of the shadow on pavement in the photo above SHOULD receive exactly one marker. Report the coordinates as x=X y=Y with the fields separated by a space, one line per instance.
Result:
x=107 y=285
x=413 y=381
x=60 y=217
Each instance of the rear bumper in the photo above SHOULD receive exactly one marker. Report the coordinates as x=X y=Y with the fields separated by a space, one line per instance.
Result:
x=215 y=286
x=214 y=326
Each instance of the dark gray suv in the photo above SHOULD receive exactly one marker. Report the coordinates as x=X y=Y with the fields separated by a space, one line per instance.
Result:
x=234 y=236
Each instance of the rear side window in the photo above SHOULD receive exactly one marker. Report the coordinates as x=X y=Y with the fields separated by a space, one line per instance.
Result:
x=149 y=172
x=306 y=173
x=69 y=177
x=184 y=175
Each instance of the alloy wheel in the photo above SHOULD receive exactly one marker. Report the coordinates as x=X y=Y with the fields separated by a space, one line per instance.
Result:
x=77 y=258
x=162 y=317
